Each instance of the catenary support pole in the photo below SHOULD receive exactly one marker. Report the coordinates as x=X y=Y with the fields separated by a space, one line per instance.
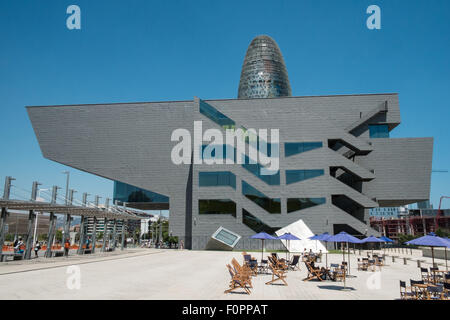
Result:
x=122 y=244
x=105 y=234
x=94 y=225
x=114 y=236
x=68 y=219
x=83 y=226
x=105 y=227
x=4 y=214
x=52 y=225
x=31 y=220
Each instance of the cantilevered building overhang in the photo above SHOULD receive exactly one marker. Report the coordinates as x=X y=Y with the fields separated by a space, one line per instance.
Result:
x=336 y=160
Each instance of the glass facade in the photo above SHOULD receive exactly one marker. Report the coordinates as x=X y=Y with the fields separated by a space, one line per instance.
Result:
x=378 y=131
x=296 y=204
x=127 y=193
x=271 y=205
x=226 y=237
x=384 y=212
x=273 y=179
x=217 y=206
x=217 y=178
x=291 y=148
x=256 y=224
x=293 y=176
x=216 y=116
x=264 y=73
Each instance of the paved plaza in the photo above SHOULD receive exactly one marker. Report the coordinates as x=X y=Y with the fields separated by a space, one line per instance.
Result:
x=175 y=274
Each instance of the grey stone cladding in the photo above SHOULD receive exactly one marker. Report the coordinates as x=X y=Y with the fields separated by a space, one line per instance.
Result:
x=131 y=143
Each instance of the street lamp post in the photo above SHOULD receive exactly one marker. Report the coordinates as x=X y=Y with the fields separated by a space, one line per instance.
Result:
x=67 y=187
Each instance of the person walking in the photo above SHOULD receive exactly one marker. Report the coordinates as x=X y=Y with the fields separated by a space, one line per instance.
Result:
x=37 y=247
x=18 y=246
x=66 y=248
x=88 y=242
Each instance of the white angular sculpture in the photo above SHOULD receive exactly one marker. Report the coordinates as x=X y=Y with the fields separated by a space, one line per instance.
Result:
x=301 y=230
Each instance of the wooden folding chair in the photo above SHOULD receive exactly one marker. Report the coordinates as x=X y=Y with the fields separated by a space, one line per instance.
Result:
x=237 y=281
x=313 y=273
x=406 y=293
x=425 y=275
x=363 y=264
x=277 y=275
x=294 y=264
x=242 y=270
x=339 y=272
x=251 y=264
x=278 y=264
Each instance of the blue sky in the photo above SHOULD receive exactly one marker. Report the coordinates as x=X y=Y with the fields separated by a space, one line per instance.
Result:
x=142 y=50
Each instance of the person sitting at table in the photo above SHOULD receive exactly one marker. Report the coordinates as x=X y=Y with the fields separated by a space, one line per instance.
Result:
x=18 y=247
x=322 y=270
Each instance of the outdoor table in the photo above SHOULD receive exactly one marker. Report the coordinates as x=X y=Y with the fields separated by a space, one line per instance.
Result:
x=438 y=273
x=422 y=289
x=372 y=264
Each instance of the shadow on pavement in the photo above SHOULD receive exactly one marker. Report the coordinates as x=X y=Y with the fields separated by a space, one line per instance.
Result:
x=333 y=287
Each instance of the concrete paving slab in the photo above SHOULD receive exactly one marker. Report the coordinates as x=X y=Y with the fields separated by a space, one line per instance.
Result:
x=183 y=274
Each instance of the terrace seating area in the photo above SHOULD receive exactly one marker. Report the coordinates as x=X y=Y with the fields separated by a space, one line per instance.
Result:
x=434 y=285
x=371 y=262
x=241 y=274
x=208 y=281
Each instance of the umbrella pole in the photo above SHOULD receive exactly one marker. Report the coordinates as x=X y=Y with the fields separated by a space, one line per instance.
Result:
x=262 y=250
x=446 y=268
x=432 y=255
x=287 y=247
x=348 y=250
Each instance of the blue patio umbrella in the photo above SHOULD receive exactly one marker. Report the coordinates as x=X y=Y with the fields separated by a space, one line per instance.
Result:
x=322 y=237
x=263 y=236
x=371 y=239
x=288 y=237
x=386 y=239
x=344 y=237
x=432 y=240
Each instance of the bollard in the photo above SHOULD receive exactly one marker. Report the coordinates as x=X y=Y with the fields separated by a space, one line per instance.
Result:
x=393 y=259
x=359 y=251
x=404 y=261
x=411 y=250
x=418 y=264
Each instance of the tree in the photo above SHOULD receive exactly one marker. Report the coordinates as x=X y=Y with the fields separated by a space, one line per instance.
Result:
x=58 y=235
x=444 y=233
x=100 y=235
x=9 y=237
x=402 y=238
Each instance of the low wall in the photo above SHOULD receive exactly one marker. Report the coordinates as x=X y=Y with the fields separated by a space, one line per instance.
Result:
x=439 y=253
